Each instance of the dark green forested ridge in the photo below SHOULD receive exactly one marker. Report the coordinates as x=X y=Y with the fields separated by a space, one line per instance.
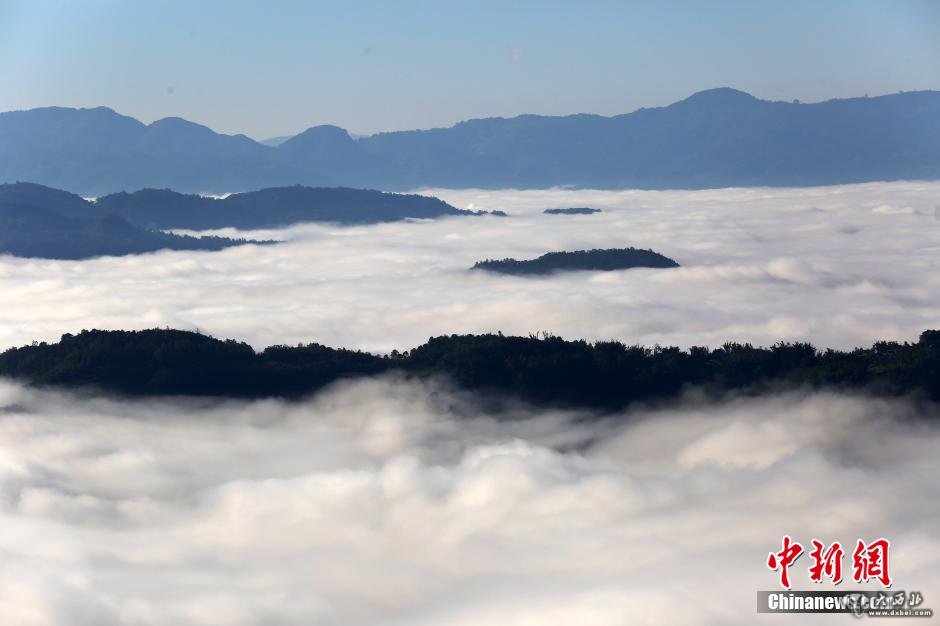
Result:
x=601 y=260
x=603 y=375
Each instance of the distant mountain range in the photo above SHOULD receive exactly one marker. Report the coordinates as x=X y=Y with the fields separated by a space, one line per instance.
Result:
x=715 y=138
x=38 y=221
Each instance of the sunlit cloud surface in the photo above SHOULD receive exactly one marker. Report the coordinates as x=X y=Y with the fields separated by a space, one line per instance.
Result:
x=839 y=266
x=389 y=502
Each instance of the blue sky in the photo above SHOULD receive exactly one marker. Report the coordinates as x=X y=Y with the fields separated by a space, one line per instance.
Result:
x=275 y=68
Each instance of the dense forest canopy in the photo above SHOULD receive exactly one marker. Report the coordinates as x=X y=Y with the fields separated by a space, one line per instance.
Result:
x=603 y=260
x=604 y=375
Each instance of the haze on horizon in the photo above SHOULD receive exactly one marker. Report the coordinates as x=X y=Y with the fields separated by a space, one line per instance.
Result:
x=244 y=68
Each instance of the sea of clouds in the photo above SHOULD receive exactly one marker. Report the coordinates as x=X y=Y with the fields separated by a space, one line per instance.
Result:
x=385 y=502
x=391 y=502
x=839 y=266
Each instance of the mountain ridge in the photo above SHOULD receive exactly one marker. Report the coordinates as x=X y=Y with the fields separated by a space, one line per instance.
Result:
x=542 y=369
x=714 y=138
x=165 y=209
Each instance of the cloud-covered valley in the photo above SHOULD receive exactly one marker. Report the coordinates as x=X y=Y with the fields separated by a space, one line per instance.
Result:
x=385 y=501
x=391 y=502
x=839 y=266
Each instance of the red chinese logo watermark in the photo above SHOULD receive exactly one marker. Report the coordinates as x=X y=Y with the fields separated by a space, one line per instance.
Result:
x=826 y=563
x=869 y=561
x=784 y=559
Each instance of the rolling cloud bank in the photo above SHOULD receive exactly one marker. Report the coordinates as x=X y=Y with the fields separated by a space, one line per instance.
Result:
x=385 y=502
x=391 y=501
x=838 y=266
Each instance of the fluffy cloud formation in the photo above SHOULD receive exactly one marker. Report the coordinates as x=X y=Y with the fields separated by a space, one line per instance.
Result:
x=400 y=503
x=839 y=266
x=391 y=502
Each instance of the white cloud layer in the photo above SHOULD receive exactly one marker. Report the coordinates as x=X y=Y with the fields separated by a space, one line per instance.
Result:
x=397 y=503
x=383 y=502
x=840 y=266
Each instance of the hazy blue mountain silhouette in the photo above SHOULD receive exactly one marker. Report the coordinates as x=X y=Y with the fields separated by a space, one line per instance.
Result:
x=274 y=206
x=334 y=158
x=274 y=141
x=30 y=226
x=270 y=207
x=720 y=137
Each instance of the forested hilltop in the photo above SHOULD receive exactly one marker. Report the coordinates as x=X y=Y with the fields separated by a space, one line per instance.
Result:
x=600 y=260
x=548 y=370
